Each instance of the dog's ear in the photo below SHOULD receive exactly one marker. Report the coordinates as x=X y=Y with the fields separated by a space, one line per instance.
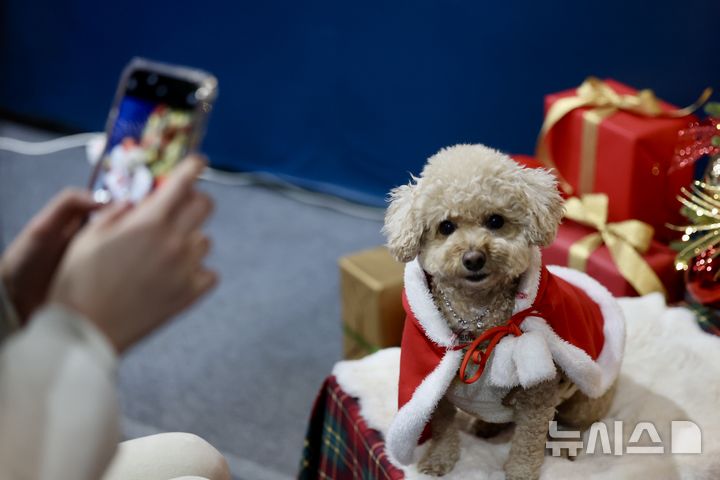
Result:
x=546 y=205
x=402 y=228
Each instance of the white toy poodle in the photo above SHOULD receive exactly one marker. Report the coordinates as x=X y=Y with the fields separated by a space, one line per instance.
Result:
x=490 y=330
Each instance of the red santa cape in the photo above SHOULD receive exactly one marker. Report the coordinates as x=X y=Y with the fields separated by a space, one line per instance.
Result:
x=575 y=324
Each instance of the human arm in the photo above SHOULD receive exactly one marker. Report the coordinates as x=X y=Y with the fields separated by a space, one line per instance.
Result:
x=123 y=275
x=58 y=406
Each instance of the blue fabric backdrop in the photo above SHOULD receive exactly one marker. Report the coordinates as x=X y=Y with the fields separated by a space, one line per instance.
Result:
x=348 y=97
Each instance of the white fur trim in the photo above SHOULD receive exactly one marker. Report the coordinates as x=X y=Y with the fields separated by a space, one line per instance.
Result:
x=502 y=371
x=611 y=355
x=533 y=360
x=410 y=421
x=574 y=361
x=423 y=307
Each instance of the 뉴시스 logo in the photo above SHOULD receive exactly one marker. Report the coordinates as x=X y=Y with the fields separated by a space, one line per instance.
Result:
x=685 y=438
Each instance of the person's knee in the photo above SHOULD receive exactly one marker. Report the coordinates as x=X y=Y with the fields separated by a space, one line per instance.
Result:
x=206 y=460
x=168 y=455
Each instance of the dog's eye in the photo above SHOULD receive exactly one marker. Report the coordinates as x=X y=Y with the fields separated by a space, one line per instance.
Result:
x=495 y=222
x=446 y=227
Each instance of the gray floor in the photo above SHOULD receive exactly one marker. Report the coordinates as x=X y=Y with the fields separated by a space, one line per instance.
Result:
x=242 y=368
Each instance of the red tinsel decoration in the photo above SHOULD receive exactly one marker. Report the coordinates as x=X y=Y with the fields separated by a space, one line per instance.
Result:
x=695 y=141
x=701 y=278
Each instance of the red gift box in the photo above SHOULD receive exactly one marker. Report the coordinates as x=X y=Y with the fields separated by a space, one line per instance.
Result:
x=600 y=264
x=624 y=155
x=526 y=160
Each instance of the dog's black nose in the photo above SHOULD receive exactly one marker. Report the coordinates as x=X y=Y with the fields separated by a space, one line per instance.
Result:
x=473 y=260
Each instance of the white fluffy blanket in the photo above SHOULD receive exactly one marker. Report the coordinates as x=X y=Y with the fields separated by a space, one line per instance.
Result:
x=671 y=372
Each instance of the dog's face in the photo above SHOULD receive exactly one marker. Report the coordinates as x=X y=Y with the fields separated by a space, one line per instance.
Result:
x=476 y=249
x=472 y=216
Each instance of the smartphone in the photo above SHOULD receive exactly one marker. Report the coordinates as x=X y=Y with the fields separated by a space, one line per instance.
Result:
x=158 y=116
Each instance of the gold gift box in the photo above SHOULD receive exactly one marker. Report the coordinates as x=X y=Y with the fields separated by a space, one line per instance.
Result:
x=371 y=283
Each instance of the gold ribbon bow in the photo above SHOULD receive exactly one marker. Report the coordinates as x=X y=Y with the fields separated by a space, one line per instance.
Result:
x=626 y=240
x=595 y=93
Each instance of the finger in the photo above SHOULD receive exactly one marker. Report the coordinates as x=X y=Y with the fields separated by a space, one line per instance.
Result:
x=194 y=213
x=70 y=229
x=203 y=281
x=111 y=214
x=178 y=186
x=108 y=210
x=198 y=247
x=190 y=259
x=62 y=209
x=200 y=284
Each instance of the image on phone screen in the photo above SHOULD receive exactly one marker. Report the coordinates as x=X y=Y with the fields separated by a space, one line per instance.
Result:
x=152 y=131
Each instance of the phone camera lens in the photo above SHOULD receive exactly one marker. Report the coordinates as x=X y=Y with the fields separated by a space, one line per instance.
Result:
x=152 y=79
x=191 y=100
x=161 y=91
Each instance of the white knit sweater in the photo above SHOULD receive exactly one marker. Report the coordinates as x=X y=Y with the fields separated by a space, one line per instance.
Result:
x=58 y=406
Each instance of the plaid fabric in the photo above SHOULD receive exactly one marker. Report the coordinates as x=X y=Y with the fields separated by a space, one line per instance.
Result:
x=339 y=444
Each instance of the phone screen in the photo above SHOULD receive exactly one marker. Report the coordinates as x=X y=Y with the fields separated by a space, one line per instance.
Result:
x=151 y=132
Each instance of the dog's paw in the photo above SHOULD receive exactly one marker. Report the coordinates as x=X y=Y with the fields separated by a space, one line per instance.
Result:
x=435 y=467
x=438 y=462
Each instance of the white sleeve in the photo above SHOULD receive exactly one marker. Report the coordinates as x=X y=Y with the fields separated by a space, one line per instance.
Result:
x=58 y=405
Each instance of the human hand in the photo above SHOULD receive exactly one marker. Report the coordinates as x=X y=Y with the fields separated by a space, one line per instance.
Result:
x=29 y=263
x=132 y=268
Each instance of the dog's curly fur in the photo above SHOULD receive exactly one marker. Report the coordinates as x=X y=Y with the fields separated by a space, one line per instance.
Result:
x=470 y=186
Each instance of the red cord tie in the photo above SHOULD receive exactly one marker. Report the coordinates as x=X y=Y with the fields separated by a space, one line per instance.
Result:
x=479 y=356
